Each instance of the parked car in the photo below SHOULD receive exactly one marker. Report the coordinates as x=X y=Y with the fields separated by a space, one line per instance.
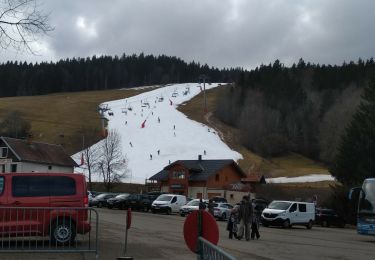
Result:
x=222 y=210
x=168 y=203
x=101 y=200
x=288 y=213
x=154 y=194
x=219 y=199
x=95 y=193
x=191 y=206
x=138 y=202
x=259 y=206
x=49 y=191
x=91 y=195
x=117 y=201
x=328 y=217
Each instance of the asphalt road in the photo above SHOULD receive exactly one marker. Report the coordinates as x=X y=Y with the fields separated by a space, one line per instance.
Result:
x=154 y=236
x=160 y=237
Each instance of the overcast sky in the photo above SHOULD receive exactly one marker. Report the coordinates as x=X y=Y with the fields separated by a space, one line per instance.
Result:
x=222 y=33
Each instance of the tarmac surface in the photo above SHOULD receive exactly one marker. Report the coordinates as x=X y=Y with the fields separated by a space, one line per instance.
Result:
x=159 y=236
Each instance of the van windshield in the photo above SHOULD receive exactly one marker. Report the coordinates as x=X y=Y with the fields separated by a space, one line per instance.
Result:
x=165 y=198
x=279 y=205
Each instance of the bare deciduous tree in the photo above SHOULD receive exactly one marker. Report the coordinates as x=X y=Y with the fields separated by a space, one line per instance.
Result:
x=91 y=152
x=14 y=125
x=112 y=163
x=21 y=22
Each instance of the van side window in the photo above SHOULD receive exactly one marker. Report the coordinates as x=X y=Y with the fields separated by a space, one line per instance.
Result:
x=302 y=207
x=30 y=186
x=1 y=184
x=293 y=208
x=41 y=186
x=174 y=200
x=62 y=186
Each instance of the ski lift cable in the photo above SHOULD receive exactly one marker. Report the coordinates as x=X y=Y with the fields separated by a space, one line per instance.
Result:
x=165 y=92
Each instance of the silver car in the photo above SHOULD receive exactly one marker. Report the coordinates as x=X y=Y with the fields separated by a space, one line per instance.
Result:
x=222 y=210
x=191 y=206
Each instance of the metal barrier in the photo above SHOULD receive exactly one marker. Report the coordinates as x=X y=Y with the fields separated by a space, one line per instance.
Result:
x=208 y=251
x=47 y=229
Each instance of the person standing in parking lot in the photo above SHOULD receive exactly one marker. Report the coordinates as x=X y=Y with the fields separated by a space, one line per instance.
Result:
x=232 y=223
x=245 y=217
x=254 y=224
x=202 y=205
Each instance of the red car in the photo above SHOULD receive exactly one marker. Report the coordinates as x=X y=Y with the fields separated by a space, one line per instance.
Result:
x=43 y=204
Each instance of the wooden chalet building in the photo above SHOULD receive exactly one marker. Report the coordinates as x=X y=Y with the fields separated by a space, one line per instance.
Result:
x=202 y=179
x=18 y=155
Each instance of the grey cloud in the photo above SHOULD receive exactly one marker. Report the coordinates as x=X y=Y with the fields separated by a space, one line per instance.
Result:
x=226 y=33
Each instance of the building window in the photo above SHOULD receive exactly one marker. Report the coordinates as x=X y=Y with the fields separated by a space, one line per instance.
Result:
x=217 y=177
x=49 y=167
x=3 y=168
x=3 y=152
x=13 y=168
x=178 y=175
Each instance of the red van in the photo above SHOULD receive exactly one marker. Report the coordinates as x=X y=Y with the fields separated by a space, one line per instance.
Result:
x=43 y=204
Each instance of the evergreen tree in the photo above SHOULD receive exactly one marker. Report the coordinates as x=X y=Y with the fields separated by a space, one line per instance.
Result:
x=355 y=159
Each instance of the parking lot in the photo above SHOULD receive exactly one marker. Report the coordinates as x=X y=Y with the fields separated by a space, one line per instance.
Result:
x=154 y=236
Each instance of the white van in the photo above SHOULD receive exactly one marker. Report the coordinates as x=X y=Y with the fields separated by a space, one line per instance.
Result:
x=168 y=203
x=288 y=213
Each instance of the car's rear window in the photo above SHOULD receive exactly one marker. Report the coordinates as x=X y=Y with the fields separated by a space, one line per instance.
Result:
x=40 y=186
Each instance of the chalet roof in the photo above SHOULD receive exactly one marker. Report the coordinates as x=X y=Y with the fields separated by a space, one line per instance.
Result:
x=200 y=170
x=160 y=176
x=255 y=178
x=39 y=152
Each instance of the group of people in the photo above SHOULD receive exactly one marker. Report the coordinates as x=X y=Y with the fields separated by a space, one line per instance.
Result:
x=243 y=214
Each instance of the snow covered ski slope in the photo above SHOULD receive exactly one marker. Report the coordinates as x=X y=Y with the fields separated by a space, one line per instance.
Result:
x=154 y=133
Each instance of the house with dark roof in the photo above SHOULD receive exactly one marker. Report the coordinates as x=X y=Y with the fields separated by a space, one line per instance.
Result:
x=18 y=155
x=202 y=179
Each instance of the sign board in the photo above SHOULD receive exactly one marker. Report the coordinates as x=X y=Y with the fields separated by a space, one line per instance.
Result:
x=176 y=186
x=6 y=161
x=209 y=229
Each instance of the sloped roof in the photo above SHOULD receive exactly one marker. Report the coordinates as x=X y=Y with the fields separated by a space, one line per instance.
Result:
x=200 y=170
x=257 y=178
x=39 y=152
x=160 y=176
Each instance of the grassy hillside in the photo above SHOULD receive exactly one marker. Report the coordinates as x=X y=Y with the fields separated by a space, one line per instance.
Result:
x=291 y=165
x=63 y=118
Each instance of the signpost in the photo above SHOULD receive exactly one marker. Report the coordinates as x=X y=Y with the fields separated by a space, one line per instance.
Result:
x=128 y=225
x=203 y=224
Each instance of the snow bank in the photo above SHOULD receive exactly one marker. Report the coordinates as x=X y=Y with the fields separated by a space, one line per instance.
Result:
x=307 y=178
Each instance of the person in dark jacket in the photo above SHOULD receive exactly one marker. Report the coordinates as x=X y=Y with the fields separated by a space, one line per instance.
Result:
x=255 y=225
x=202 y=205
x=211 y=207
x=245 y=218
x=232 y=223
